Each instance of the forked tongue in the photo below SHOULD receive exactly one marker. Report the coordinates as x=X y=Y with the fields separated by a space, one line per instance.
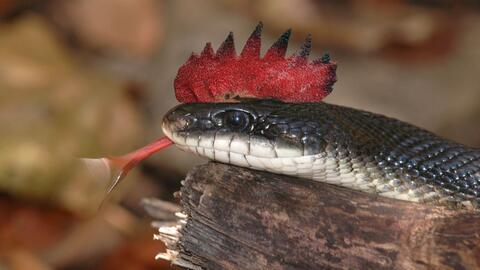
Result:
x=121 y=165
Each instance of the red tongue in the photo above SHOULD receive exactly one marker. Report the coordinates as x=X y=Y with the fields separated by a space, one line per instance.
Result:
x=126 y=162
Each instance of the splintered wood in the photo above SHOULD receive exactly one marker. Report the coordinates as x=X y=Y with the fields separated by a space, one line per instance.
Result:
x=236 y=218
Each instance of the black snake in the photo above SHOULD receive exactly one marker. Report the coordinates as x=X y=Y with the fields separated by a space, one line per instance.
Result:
x=332 y=144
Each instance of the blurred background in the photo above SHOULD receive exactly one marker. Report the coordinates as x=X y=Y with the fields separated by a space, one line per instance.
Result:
x=91 y=78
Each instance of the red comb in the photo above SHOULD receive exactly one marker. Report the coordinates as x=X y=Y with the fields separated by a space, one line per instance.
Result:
x=221 y=76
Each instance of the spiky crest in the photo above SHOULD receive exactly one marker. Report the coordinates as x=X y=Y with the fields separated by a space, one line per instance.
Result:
x=253 y=45
x=227 y=49
x=212 y=77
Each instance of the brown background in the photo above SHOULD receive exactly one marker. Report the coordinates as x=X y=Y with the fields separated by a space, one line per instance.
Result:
x=90 y=78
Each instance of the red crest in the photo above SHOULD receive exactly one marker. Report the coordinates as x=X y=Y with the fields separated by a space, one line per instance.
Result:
x=223 y=76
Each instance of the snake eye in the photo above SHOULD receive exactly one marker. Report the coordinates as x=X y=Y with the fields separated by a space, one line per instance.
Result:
x=236 y=120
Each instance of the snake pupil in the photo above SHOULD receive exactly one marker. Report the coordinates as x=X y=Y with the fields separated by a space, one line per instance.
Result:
x=236 y=120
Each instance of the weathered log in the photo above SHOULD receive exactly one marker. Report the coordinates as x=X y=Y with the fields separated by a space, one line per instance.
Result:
x=236 y=218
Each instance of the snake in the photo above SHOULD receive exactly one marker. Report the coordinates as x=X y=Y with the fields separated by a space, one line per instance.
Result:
x=333 y=144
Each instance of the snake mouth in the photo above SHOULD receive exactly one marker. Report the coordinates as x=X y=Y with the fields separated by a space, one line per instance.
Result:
x=236 y=149
x=209 y=143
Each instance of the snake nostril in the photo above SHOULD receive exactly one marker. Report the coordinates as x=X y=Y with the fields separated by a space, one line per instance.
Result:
x=184 y=122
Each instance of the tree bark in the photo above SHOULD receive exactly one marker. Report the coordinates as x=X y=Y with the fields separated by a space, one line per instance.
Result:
x=236 y=218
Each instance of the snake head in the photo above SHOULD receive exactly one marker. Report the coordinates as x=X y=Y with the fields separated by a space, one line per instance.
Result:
x=243 y=133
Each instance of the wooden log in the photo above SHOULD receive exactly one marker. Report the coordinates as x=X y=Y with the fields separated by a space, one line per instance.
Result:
x=236 y=218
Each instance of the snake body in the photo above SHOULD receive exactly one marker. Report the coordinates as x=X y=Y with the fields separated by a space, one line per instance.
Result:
x=333 y=144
